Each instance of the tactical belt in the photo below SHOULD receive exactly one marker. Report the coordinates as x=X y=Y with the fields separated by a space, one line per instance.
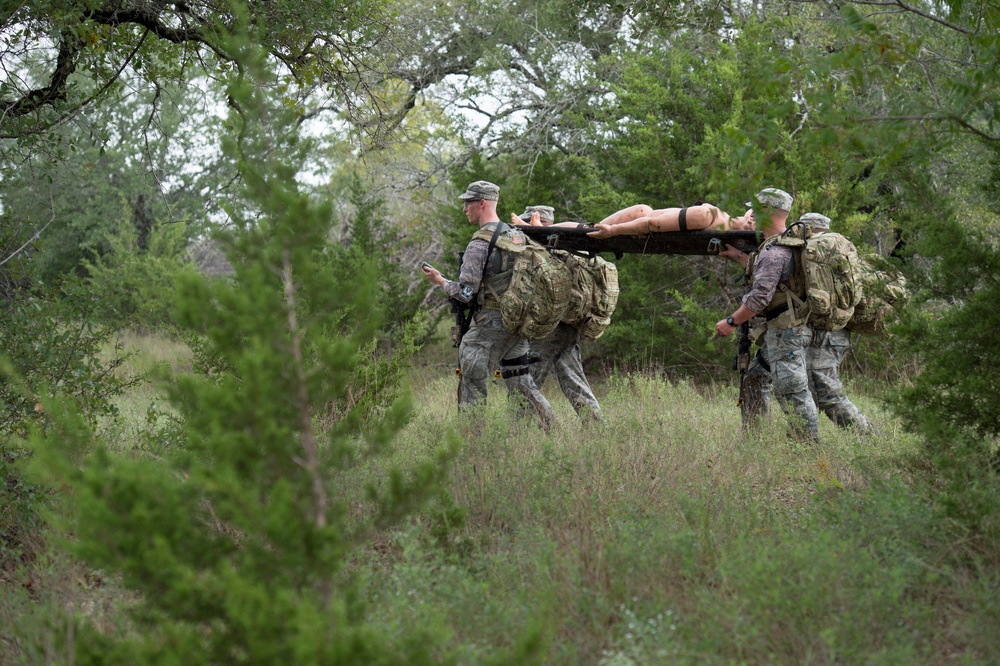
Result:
x=776 y=312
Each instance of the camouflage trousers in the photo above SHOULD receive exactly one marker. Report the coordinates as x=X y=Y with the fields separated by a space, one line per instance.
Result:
x=786 y=352
x=481 y=351
x=823 y=358
x=560 y=352
x=825 y=354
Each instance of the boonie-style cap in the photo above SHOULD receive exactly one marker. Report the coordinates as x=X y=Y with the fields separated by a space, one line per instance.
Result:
x=774 y=197
x=481 y=189
x=815 y=220
x=545 y=213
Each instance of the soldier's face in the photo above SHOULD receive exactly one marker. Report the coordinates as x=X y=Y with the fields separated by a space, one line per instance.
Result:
x=473 y=209
x=763 y=215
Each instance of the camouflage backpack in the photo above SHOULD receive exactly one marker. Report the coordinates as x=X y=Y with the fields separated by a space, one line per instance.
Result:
x=594 y=293
x=831 y=270
x=884 y=291
x=538 y=292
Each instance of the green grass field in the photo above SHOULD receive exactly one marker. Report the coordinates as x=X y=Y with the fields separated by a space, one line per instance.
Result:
x=665 y=537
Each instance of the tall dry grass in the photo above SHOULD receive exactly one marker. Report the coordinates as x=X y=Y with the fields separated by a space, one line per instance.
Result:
x=669 y=537
x=664 y=537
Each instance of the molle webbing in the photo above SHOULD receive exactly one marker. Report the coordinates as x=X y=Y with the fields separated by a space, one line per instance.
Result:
x=534 y=298
x=494 y=286
x=786 y=296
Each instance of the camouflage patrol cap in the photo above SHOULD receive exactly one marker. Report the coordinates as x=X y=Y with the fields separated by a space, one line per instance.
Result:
x=481 y=189
x=815 y=220
x=775 y=198
x=545 y=213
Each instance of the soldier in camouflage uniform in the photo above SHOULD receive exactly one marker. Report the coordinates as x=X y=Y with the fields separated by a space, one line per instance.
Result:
x=560 y=352
x=825 y=354
x=487 y=341
x=786 y=339
x=775 y=205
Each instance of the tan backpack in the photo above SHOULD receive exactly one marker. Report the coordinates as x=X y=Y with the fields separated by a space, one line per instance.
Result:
x=594 y=294
x=539 y=290
x=831 y=270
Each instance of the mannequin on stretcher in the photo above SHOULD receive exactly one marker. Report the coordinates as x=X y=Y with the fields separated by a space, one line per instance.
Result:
x=641 y=219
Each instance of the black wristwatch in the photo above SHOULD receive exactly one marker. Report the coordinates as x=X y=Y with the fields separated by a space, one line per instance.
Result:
x=731 y=321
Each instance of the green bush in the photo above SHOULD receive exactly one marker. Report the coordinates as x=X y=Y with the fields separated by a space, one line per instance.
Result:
x=21 y=522
x=52 y=342
x=136 y=280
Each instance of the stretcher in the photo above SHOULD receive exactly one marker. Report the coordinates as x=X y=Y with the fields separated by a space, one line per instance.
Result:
x=704 y=242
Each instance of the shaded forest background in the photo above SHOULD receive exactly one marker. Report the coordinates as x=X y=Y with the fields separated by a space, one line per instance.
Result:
x=260 y=182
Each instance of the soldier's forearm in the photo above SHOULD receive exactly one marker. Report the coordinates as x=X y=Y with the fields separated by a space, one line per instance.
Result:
x=743 y=314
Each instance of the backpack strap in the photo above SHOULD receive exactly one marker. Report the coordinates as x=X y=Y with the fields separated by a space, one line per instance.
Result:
x=501 y=227
x=798 y=307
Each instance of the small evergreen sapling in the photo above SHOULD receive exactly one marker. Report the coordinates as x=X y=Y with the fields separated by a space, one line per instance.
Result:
x=237 y=543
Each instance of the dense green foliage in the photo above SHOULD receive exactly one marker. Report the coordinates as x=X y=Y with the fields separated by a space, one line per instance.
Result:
x=136 y=276
x=70 y=54
x=53 y=341
x=77 y=205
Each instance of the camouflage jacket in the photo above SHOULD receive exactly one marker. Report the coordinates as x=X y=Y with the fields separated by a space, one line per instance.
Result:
x=773 y=265
x=472 y=274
